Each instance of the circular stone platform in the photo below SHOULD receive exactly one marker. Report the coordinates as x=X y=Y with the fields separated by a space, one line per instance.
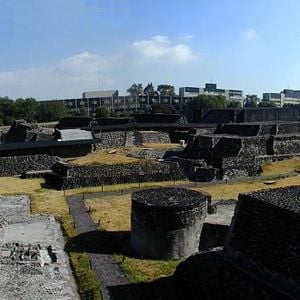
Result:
x=166 y=223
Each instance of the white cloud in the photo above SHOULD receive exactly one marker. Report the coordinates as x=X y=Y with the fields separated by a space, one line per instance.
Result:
x=250 y=34
x=162 y=48
x=71 y=76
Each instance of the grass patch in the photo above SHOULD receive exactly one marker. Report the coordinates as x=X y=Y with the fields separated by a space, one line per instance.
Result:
x=103 y=157
x=53 y=203
x=143 y=270
x=124 y=186
x=231 y=190
x=120 y=155
x=162 y=146
x=280 y=167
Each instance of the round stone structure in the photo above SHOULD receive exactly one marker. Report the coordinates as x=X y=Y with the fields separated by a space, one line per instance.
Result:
x=166 y=223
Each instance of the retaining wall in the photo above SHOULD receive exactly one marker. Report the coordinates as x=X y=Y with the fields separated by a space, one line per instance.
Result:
x=68 y=177
x=16 y=165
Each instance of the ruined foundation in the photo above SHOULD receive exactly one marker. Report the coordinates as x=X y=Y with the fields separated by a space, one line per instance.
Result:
x=166 y=223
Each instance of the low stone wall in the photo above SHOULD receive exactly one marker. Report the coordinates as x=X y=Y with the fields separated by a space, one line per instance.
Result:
x=286 y=144
x=16 y=165
x=153 y=137
x=82 y=176
x=129 y=138
x=112 y=139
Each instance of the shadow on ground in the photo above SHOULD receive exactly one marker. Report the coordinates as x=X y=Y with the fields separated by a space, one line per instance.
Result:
x=104 y=242
x=160 y=289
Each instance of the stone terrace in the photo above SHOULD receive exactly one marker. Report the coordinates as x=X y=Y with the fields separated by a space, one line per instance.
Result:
x=33 y=264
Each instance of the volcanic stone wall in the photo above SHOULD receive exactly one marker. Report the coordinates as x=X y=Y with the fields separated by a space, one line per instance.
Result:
x=16 y=165
x=243 y=163
x=153 y=137
x=286 y=144
x=166 y=223
x=129 y=138
x=80 y=176
x=264 y=237
x=288 y=128
x=112 y=139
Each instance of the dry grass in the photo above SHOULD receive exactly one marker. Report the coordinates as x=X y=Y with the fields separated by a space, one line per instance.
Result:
x=145 y=270
x=15 y=185
x=231 y=190
x=103 y=157
x=113 y=212
x=124 y=186
x=162 y=146
x=281 y=167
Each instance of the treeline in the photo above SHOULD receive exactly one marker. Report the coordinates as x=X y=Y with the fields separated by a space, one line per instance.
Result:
x=30 y=110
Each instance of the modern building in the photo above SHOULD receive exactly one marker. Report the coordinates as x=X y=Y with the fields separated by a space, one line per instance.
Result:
x=230 y=95
x=189 y=91
x=211 y=89
x=90 y=101
x=286 y=96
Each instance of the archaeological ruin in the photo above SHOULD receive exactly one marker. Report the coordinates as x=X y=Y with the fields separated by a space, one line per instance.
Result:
x=166 y=223
x=261 y=256
x=33 y=263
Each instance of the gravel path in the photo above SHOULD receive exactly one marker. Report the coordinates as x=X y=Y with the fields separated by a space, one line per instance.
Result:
x=107 y=270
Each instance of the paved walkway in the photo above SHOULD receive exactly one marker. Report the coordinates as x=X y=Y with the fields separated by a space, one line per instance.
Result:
x=107 y=270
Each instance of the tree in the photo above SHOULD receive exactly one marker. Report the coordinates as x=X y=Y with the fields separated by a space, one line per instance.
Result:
x=161 y=108
x=149 y=90
x=83 y=111
x=251 y=101
x=265 y=103
x=234 y=104
x=103 y=112
x=207 y=101
x=135 y=89
x=166 y=89
x=51 y=111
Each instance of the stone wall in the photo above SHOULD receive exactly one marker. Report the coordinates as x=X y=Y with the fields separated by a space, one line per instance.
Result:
x=81 y=176
x=129 y=138
x=153 y=137
x=16 y=165
x=112 y=139
x=286 y=144
x=264 y=237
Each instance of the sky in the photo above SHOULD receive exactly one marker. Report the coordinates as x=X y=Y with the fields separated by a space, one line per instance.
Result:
x=55 y=49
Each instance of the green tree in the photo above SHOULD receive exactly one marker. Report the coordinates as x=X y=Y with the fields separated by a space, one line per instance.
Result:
x=166 y=90
x=207 y=101
x=234 y=104
x=135 y=89
x=265 y=103
x=103 y=112
x=51 y=111
x=83 y=111
x=7 y=109
x=150 y=90
x=161 y=108
x=251 y=101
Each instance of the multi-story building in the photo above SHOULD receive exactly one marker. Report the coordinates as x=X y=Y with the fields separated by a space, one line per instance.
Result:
x=211 y=89
x=189 y=91
x=230 y=95
x=90 y=101
x=286 y=96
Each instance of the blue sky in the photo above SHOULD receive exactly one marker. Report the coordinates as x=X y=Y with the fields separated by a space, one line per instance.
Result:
x=59 y=48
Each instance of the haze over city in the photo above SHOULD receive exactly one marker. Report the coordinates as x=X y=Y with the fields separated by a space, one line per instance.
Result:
x=58 y=49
